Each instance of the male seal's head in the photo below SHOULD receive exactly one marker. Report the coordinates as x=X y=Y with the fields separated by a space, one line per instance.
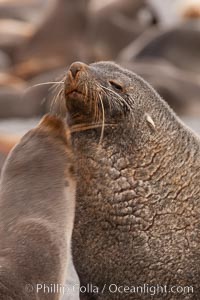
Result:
x=96 y=91
x=106 y=95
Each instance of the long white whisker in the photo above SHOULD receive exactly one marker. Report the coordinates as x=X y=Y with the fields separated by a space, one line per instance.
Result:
x=54 y=101
x=41 y=84
x=103 y=120
x=119 y=97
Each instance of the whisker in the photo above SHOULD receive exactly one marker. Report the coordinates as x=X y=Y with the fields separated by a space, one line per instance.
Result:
x=58 y=80
x=91 y=99
x=84 y=127
x=54 y=88
x=118 y=96
x=55 y=100
x=41 y=84
x=85 y=92
x=95 y=106
x=103 y=119
x=110 y=103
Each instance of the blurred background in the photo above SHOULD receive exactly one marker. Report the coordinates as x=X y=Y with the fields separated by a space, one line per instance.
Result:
x=39 y=39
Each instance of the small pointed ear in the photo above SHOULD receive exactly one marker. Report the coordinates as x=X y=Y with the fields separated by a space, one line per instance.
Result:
x=150 y=122
x=7 y=142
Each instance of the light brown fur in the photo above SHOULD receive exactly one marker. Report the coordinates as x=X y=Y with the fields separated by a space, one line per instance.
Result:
x=37 y=200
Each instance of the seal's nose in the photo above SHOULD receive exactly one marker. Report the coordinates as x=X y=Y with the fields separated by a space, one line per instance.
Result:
x=76 y=67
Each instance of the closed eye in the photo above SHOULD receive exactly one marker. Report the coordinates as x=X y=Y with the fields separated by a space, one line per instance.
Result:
x=116 y=86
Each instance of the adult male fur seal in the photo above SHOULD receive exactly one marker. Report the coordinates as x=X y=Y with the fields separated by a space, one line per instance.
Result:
x=137 y=220
x=37 y=199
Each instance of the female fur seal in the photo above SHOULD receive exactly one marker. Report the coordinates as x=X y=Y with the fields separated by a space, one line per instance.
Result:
x=137 y=220
x=37 y=199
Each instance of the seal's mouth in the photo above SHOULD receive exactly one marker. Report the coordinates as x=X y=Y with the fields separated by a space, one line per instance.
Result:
x=76 y=101
x=72 y=90
x=77 y=92
x=74 y=94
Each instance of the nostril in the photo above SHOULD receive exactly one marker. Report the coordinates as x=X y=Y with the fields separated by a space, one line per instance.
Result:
x=76 y=67
x=74 y=70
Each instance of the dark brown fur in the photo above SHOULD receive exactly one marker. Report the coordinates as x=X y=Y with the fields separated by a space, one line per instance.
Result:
x=138 y=195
